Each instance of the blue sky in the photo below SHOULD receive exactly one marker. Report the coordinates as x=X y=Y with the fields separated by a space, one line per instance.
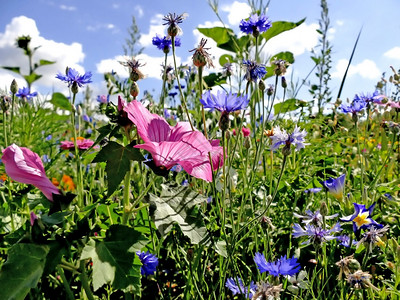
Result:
x=89 y=35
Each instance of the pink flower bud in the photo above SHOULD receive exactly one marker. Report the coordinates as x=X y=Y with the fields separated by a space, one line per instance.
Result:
x=25 y=166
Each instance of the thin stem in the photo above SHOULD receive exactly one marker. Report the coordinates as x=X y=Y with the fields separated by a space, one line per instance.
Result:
x=361 y=162
x=85 y=281
x=163 y=85
x=126 y=200
x=65 y=283
x=202 y=106
x=183 y=100
x=12 y=114
x=5 y=129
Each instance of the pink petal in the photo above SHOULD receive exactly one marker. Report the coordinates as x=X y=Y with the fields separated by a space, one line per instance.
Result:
x=25 y=166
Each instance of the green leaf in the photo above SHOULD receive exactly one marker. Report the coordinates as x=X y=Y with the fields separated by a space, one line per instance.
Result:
x=55 y=218
x=60 y=101
x=288 y=56
x=224 y=37
x=214 y=79
x=31 y=78
x=44 y=62
x=177 y=204
x=22 y=270
x=226 y=58
x=288 y=105
x=115 y=260
x=13 y=69
x=279 y=27
x=108 y=129
x=118 y=164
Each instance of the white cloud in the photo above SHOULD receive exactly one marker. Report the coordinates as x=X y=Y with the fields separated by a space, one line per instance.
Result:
x=64 y=55
x=139 y=11
x=156 y=27
x=237 y=11
x=366 y=69
x=339 y=22
x=393 y=53
x=298 y=40
x=151 y=68
x=116 y=5
x=69 y=8
x=98 y=27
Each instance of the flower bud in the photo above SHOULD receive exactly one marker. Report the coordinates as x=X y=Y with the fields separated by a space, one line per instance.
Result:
x=4 y=103
x=354 y=265
x=79 y=110
x=14 y=87
x=173 y=30
x=134 y=75
x=270 y=90
x=227 y=135
x=286 y=150
x=324 y=209
x=199 y=60
x=261 y=85
x=247 y=142
x=134 y=90
x=283 y=82
x=190 y=254
x=74 y=88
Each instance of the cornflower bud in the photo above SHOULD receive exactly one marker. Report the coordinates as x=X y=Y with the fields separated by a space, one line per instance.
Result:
x=283 y=82
x=261 y=85
x=134 y=90
x=224 y=121
x=14 y=87
x=247 y=142
x=324 y=209
x=270 y=90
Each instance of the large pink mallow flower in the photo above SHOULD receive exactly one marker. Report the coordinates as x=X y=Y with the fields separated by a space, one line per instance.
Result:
x=81 y=143
x=172 y=145
x=25 y=166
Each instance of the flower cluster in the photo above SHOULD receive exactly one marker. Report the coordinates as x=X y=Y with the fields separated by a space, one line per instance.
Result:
x=165 y=43
x=283 y=266
x=255 y=24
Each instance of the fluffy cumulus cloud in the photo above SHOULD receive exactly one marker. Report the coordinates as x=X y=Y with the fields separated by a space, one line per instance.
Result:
x=156 y=27
x=393 y=53
x=237 y=11
x=151 y=65
x=63 y=54
x=366 y=69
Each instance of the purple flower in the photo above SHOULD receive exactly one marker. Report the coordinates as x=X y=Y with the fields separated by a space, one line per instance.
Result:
x=368 y=98
x=25 y=93
x=345 y=240
x=73 y=78
x=149 y=262
x=283 y=266
x=103 y=99
x=335 y=186
x=313 y=190
x=281 y=137
x=362 y=217
x=316 y=234
x=86 y=118
x=255 y=24
x=240 y=289
x=314 y=218
x=254 y=71
x=165 y=43
x=356 y=106
x=224 y=102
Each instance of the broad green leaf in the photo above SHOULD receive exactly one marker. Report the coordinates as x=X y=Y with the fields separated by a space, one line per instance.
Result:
x=279 y=27
x=288 y=105
x=214 y=79
x=118 y=160
x=226 y=58
x=31 y=78
x=44 y=62
x=224 y=37
x=177 y=205
x=22 y=270
x=115 y=260
x=287 y=56
x=60 y=101
x=55 y=218
x=104 y=131
x=13 y=69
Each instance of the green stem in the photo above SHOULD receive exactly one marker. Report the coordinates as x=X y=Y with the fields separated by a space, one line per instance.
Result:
x=85 y=281
x=126 y=199
x=64 y=280
x=12 y=114
x=361 y=163
x=5 y=129
x=163 y=85
x=183 y=100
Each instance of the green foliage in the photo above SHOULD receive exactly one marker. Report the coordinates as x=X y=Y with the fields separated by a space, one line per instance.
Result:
x=60 y=101
x=288 y=105
x=118 y=160
x=114 y=258
x=22 y=270
x=179 y=205
x=279 y=27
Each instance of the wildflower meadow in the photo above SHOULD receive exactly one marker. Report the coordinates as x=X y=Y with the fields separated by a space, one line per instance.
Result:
x=224 y=184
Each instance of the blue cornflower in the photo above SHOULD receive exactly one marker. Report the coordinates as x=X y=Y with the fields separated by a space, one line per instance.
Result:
x=255 y=24
x=361 y=217
x=356 y=106
x=241 y=289
x=281 y=137
x=149 y=262
x=49 y=137
x=368 y=97
x=335 y=186
x=315 y=218
x=254 y=71
x=224 y=102
x=345 y=240
x=316 y=234
x=283 y=266
x=103 y=99
x=74 y=79
x=172 y=94
x=86 y=118
x=25 y=93
x=165 y=43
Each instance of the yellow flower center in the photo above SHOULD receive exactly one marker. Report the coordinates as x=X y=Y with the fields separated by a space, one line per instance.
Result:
x=362 y=219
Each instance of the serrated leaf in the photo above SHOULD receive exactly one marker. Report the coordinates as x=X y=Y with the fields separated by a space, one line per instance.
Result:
x=114 y=258
x=177 y=205
x=279 y=27
x=13 y=69
x=22 y=270
x=118 y=163
x=32 y=77
x=60 y=101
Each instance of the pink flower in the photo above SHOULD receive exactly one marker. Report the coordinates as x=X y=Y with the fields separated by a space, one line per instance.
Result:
x=33 y=218
x=246 y=131
x=172 y=145
x=25 y=166
x=81 y=143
